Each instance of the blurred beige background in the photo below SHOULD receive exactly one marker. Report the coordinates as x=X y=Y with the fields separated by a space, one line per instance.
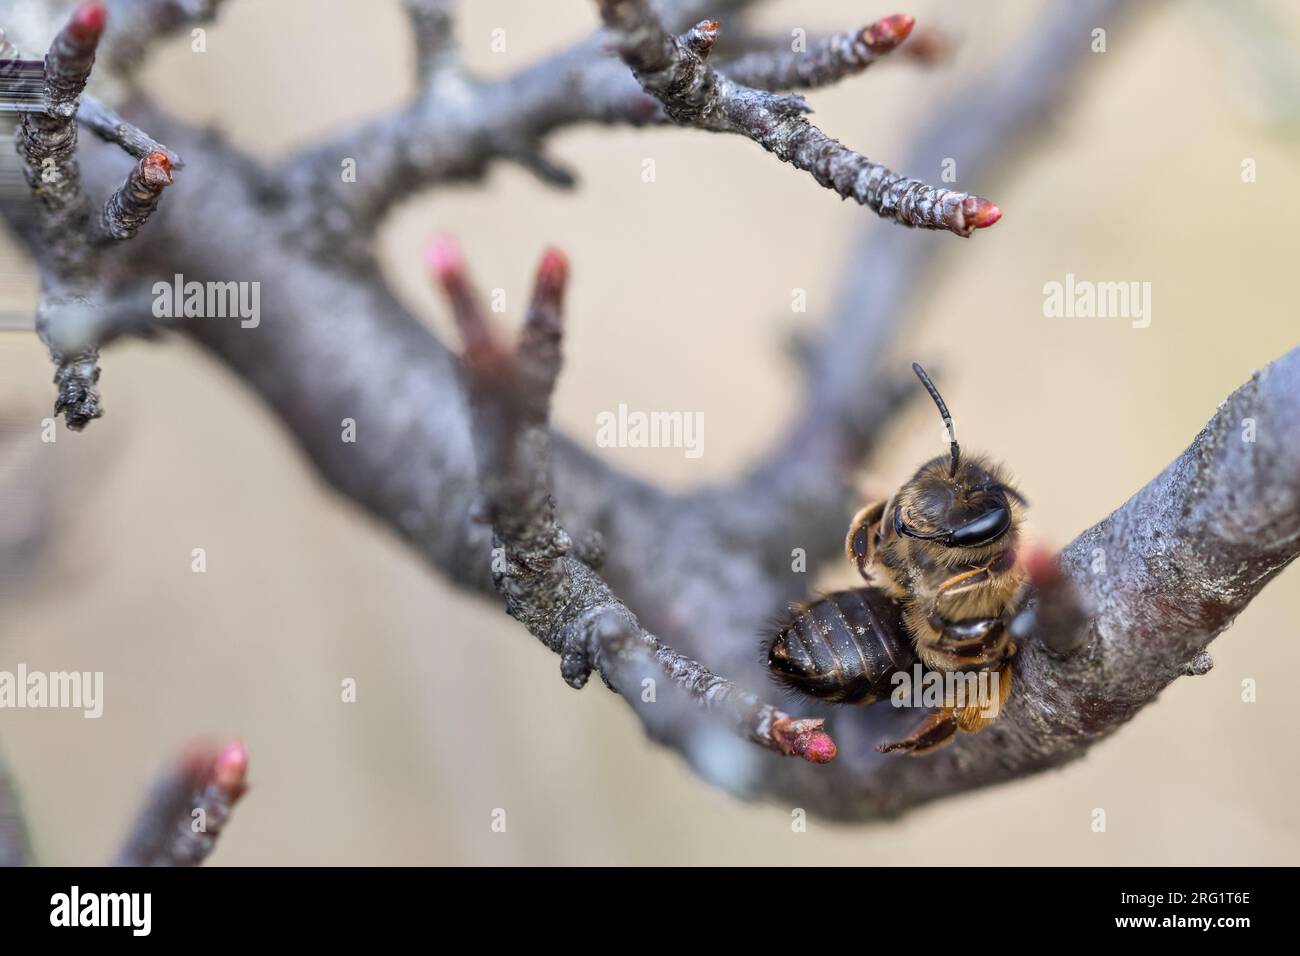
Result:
x=459 y=710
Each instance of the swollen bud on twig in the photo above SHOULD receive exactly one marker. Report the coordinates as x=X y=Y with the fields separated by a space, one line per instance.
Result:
x=156 y=169
x=552 y=276
x=702 y=37
x=883 y=35
x=87 y=23
x=188 y=807
x=67 y=65
x=230 y=770
x=804 y=738
x=444 y=259
x=979 y=212
x=135 y=200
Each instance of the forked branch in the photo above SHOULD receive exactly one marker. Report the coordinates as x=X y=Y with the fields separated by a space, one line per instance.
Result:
x=547 y=588
x=70 y=241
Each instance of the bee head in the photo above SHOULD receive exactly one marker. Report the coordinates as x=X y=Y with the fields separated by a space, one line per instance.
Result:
x=973 y=509
x=955 y=502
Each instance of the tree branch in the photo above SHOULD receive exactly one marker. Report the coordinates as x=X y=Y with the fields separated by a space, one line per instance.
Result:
x=451 y=132
x=675 y=71
x=703 y=569
x=338 y=345
x=71 y=265
x=457 y=126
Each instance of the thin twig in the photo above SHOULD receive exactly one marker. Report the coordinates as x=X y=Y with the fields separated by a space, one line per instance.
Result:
x=676 y=72
x=47 y=140
x=187 y=809
x=104 y=122
x=826 y=60
x=135 y=200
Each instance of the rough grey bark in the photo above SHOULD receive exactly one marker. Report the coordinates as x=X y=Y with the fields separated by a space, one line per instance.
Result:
x=705 y=569
x=135 y=200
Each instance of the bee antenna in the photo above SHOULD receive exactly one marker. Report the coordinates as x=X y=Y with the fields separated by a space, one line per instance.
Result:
x=943 y=410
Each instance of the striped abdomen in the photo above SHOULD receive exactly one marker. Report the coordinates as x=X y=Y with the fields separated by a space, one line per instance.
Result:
x=846 y=647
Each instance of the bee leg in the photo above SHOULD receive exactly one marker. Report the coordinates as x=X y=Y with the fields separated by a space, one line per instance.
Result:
x=860 y=543
x=959 y=583
x=974 y=717
x=937 y=730
x=941 y=727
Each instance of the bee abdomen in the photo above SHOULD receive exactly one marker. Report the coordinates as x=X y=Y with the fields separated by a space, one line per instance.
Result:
x=845 y=647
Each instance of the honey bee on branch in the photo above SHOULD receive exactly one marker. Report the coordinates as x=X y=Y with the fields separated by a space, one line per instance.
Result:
x=943 y=584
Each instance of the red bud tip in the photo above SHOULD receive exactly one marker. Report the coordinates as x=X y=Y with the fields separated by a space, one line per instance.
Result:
x=443 y=257
x=230 y=767
x=804 y=738
x=553 y=270
x=87 y=22
x=819 y=748
x=980 y=213
x=157 y=169
x=703 y=36
x=883 y=35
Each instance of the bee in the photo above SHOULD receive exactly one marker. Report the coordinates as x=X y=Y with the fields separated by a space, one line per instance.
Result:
x=943 y=583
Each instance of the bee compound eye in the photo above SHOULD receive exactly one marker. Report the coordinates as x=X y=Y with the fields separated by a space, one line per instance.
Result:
x=987 y=527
